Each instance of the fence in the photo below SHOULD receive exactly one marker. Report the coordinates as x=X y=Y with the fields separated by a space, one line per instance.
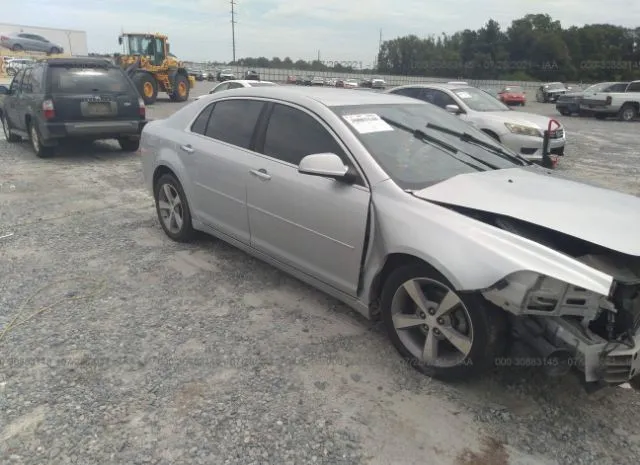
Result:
x=280 y=75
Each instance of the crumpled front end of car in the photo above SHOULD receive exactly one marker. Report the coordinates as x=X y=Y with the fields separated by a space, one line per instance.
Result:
x=572 y=327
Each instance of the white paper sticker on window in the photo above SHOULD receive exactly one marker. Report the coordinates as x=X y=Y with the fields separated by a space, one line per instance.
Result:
x=463 y=94
x=367 y=123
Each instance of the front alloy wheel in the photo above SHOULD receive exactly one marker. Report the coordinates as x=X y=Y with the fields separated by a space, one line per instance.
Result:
x=440 y=332
x=173 y=209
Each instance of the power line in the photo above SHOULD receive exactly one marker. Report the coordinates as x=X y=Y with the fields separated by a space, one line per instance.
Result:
x=233 y=28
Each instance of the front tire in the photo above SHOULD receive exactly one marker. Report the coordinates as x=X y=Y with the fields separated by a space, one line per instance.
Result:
x=173 y=209
x=441 y=333
x=147 y=87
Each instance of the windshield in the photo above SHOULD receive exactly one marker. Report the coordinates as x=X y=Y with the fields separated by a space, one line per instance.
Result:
x=514 y=89
x=140 y=45
x=479 y=100
x=387 y=132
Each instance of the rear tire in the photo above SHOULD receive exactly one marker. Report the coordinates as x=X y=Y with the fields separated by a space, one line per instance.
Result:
x=627 y=113
x=129 y=144
x=35 y=137
x=54 y=51
x=17 y=48
x=181 y=89
x=165 y=192
x=147 y=87
x=478 y=329
x=6 y=129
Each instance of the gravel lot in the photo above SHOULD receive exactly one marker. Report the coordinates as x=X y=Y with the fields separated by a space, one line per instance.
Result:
x=150 y=352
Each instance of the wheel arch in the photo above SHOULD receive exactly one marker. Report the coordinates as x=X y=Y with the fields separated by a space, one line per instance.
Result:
x=399 y=259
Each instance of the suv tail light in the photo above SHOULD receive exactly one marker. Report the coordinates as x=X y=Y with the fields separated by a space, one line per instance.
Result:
x=48 y=110
x=142 y=110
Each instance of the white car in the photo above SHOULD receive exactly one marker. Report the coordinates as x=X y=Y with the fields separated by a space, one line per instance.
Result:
x=519 y=131
x=351 y=84
x=378 y=83
x=237 y=84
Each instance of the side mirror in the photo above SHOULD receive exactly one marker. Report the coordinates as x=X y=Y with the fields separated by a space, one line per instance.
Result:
x=328 y=165
x=455 y=109
x=4 y=90
x=120 y=40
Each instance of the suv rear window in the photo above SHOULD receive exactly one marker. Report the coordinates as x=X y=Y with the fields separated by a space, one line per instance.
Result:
x=83 y=79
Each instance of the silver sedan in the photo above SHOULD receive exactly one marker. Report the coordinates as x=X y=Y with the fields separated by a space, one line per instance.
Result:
x=408 y=214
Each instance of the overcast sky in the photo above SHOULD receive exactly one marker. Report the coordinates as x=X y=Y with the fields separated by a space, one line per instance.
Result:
x=343 y=30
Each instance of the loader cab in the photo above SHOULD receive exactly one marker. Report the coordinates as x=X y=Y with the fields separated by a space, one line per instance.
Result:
x=153 y=47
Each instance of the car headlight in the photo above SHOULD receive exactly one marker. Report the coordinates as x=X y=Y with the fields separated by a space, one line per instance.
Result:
x=523 y=130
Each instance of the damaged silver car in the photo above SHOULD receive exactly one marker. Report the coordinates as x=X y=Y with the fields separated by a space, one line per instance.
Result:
x=407 y=214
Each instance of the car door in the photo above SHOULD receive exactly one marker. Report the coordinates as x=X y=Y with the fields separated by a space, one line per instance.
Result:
x=28 y=43
x=315 y=224
x=218 y=158
x=24 y=101
x=11 y=101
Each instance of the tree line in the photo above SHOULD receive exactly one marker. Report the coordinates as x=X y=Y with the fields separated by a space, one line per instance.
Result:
x=534 y=47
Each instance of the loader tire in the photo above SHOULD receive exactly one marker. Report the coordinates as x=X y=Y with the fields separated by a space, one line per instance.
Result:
x=181 y=88
x=147 y=87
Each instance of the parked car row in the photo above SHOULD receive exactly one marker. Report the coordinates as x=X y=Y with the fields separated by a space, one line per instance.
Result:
x=620 y=100
x=311 y=80
x=413 y=215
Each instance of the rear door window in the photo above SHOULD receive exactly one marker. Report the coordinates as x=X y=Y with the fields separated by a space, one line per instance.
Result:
x=87 y=80
x=234 y=121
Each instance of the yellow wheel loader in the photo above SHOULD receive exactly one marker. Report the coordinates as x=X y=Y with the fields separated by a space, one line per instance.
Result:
x=149 y=63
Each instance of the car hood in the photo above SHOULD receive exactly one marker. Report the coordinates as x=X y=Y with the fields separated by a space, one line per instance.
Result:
x=518 y=117
x=601 y=216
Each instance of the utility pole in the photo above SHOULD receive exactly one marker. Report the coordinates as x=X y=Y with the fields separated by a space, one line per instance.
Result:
x=318 y=55
x=233 y=28
x=377 y=62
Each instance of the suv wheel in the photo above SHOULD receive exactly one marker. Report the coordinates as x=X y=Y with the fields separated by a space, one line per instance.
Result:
x=129 y=144
x=40 y=150
x=173 y=209
x=6 y=129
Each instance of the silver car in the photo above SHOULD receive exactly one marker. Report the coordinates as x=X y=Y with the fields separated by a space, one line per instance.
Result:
x=409 y=215
x=521 y=132
x=27 y=42
x=237 y=84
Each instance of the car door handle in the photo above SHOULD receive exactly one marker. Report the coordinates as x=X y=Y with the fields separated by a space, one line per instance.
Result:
x=261 y=173
x=187 y=148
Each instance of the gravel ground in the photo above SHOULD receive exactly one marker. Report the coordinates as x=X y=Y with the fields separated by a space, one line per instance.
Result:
x=145 y=351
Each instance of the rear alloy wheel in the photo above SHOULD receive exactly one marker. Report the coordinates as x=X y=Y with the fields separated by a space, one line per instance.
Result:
x=147 y=86
x=6 y=129
x=627 y=112
x=17 y=48
x=173 y=209
x=181 y=89
x=441 y=333
x=40 y=150
x=129 y=144
x=54 y=51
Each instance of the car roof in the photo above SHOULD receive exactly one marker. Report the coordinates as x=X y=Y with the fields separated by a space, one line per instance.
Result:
x=243 y=81
x=437 y=85
x=326 y=96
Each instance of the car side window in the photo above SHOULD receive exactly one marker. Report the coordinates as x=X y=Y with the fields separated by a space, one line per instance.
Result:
x=292 y=134
x=234 y=121
x=16 y=83
x=634 y=87
x=407 y=92
x=440 y=98
x=199 y=126
x=220 y=87
x=37 y=79
x=27 y=83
